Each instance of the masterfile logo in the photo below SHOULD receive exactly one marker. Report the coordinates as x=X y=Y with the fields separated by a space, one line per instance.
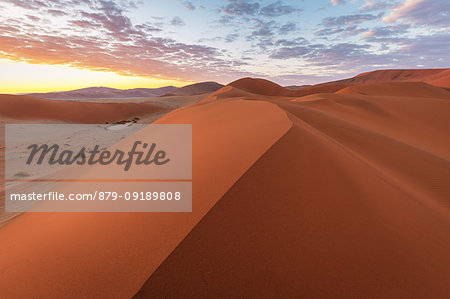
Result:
x=95 y=168
x=53 y=155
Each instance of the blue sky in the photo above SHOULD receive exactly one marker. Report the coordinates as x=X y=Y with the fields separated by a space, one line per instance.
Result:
x=289 y=42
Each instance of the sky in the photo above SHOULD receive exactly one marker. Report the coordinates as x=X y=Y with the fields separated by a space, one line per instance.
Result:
x=51 y=45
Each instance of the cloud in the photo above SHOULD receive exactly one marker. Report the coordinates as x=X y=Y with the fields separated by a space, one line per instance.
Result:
x=231 y=37
x=148 y=28
x=29 y=4
x=56 y=12
x=263 y=28
x=277 y=9
x=432 y=48
x=374 y=5
x=385 y=31
x=290 y=52
x=264 y=31
x=247 y=8
x=347 y=20
x=321 y=55
x=291 y=42
x=239 y=8
x=287 y=28
x=177 y=21
x=422 y=12
x=189 y=5
x=337 y=2
x=97 y=35
x=328 y=31
x=349 y=30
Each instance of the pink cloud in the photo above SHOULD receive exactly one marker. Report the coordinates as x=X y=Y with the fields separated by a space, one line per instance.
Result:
x=337 y=2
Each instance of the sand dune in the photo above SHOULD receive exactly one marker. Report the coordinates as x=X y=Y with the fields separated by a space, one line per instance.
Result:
x=439 y=79
x=136 y=242
x=338 y=190
x=113 y=93
x=21 y=108
x=255 y=88
x=194 y=89
x=260 y=86
x=104 y=93
x=436 y=77
x=353 y=201
x=398 y=89
x=414 y=75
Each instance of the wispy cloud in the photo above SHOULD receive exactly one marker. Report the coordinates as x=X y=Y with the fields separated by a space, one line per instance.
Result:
x=177 y=21
x=347 y=20
x=374 y=5
x=422 y=12
x=248 y=8
x=337 y=2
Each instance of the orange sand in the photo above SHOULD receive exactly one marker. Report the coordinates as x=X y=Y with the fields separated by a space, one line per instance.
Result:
x=334 y=190
x=16 y=108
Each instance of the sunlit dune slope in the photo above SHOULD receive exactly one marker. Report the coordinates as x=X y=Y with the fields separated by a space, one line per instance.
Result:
x=29 y=108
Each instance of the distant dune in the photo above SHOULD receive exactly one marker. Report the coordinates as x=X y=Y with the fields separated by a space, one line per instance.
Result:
x=394 y=75
x=437 y=77
x=398 y=89
x=104 y=93
x=338 y=190
x=260 y=86
x=16 y=108
x=194 y=89
x=113 y=93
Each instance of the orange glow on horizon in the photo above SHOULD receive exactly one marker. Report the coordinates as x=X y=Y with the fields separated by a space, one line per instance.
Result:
x=22 y=77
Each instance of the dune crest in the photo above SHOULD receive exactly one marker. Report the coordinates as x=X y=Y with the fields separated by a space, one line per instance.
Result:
x=259 y=86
